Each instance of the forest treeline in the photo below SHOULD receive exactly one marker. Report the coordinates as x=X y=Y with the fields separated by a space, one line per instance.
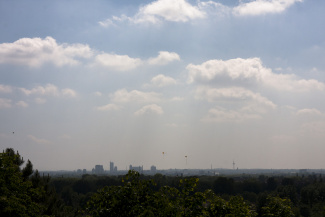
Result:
x=26 y=192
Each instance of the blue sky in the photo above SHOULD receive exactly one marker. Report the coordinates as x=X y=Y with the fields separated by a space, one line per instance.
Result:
x=88 y=82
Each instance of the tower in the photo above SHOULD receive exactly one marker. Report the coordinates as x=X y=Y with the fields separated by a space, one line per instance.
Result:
x=111 y=167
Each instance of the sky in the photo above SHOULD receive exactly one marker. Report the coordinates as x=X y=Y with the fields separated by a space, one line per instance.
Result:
x=149 y=82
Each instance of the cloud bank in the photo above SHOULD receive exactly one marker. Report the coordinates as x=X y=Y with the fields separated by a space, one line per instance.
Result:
x=182 y=11
x=249 y=72
x=261 y=7
x=34 y=52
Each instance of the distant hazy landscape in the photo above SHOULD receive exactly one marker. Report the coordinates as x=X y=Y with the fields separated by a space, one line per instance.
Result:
x=174 y=192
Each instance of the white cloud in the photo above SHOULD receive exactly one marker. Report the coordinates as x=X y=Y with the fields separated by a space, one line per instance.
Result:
x=5 y=89
x=49 y=90
x=109 y=107
x=232 y=93
x=219 y=114
x=34 y=52
x=259 y=7
x=123 y=96
x=170 y=10
x=106 y=23
x=150 y=109
x=68 y=92
x=214 y=8
x=164 y=58
x=5 y=103
x=162 y=81
x=242 y=71
x=155 y=12
x=182 y=11
x=309 y=112
x=117 y=62
x=38 y=140
x=114 y=19
x=250 y=105
x=125 y=63
x=22 y=104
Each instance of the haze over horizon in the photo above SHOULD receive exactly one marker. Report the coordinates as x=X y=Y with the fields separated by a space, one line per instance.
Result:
x=89 y=82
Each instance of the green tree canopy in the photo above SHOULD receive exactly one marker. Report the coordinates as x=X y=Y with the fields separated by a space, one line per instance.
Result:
x=21 y=193
x=136 y=197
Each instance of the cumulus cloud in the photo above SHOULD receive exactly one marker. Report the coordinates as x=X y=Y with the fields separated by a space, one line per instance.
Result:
x=182 y=11
x=260 y=7
x=5 y=89
x=123 y=96
x=117 y=62
x=49 y=90
x=242 y=71
x=162 y=81
x=243 y=104
x=149 y=109
x=170 y=10
x=5 y=103
x=125 y=63
x=68 y=92
x=106 y=23
x=109 y=107
x=219 y=114
x=38 y=140
x=157 y=11
x=214 y=8
x=34 y=52
x=232 y=93
x=164 y=58
x=114 y=19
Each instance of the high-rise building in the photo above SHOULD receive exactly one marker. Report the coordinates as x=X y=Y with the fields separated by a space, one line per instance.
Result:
x=153 y=169
x=138 y=168
x=99 y=169
x=111 y=167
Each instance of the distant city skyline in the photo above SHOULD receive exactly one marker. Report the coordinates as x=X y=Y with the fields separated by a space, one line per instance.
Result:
x=83 y=83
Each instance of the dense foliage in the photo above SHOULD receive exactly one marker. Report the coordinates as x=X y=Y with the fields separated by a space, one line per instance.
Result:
x=136 y=198
x=24 y=192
